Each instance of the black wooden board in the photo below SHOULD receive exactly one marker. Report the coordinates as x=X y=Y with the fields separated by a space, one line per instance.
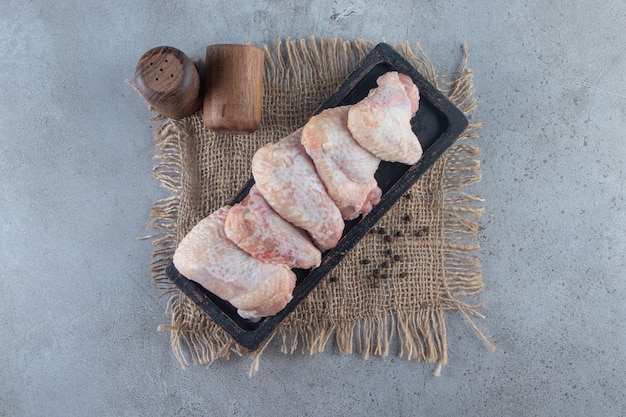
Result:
x=437 y=124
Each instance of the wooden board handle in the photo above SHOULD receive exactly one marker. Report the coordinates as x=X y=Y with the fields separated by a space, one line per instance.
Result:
x=233 y=97
x=169 y=81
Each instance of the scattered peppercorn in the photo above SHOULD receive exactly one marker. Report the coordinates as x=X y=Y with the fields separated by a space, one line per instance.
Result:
x=408 y=196
x=407 y=218
x=387 y=238
x=381 y=231
x=376 y=273
x=397 y=257
x=398 y=233
x=365 y=261
x=333 y=279
x=404 y=274
x=385 y=264
x=389 y=252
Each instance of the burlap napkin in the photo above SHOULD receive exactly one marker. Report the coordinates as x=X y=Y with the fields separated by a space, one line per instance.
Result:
x=397 y=281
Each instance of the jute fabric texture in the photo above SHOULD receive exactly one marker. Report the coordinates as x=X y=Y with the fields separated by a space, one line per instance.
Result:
x=391 y=291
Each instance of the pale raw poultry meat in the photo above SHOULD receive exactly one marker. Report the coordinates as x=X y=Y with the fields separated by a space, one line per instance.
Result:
x=208 y=257
x=345 y=167
x=381 y=122
x=287 y=178
x=256 y=228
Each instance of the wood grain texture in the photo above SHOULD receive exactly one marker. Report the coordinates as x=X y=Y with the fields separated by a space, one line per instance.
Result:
x=233 y=97
x=169 y=81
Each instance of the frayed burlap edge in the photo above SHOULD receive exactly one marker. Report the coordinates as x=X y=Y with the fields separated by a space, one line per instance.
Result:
x=422 y=335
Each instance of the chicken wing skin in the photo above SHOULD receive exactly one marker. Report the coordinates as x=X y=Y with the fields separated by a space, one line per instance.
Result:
x=381 y=122
x=257 y=229
x=345 y=167
x=255 y=288
x=288 y=180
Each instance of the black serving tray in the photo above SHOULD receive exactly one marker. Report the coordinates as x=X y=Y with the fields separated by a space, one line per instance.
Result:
x=437 y=124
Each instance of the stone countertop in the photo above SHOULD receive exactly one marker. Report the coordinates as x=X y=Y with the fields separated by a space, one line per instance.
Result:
x=79 y=310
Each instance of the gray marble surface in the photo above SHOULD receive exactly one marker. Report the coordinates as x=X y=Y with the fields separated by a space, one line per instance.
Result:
x=78 y=310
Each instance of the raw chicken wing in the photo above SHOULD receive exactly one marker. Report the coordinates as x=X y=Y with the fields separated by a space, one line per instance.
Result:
x=255 y=288
x=346 y=169
x=256 y=228
x=381 y=122
x=287 y=178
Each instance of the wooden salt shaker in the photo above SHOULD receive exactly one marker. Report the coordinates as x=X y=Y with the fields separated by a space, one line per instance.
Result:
x=169 y=81
x=233 y=97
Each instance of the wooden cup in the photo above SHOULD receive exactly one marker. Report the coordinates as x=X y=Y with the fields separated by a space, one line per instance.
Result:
x=169 y=81
x=233 y=97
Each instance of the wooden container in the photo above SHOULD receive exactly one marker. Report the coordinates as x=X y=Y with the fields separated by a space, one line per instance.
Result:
x=233 y=97
x=169 y=81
